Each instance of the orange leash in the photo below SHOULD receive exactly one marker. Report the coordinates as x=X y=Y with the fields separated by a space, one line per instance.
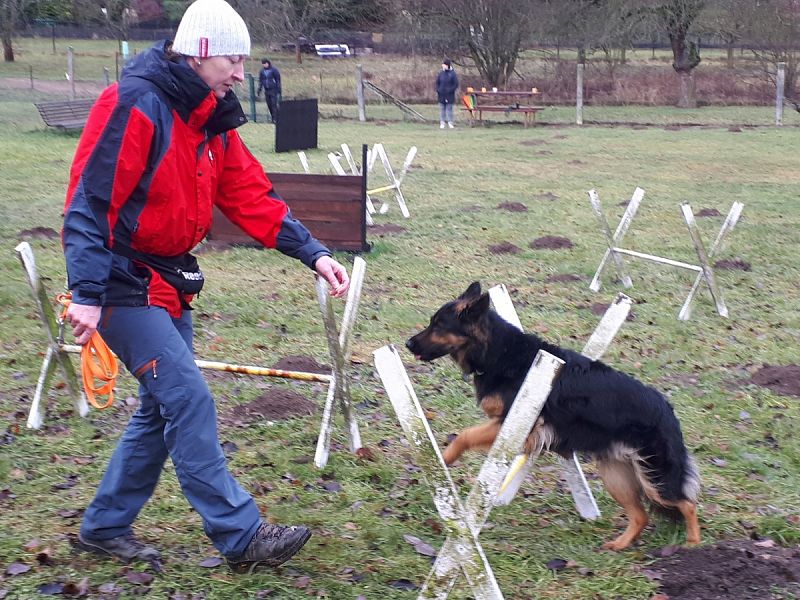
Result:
x=98 y=363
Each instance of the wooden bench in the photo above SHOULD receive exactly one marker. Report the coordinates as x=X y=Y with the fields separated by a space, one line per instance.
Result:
x=477 y=103
x=332 y=207
x=65 y=114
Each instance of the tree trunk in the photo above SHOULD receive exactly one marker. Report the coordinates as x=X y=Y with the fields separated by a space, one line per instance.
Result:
x=687 y=97
x=729 y=60
x=685 y=58
x=8 y=48
x=297 y=55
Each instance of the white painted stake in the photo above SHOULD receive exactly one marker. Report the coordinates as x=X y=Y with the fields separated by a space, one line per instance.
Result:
x=708 y=272
x=337 y=166
x=304 y=162
x=462 y=549
x=54 y=353
x=614 y=240
x=524 y=412
x=339 y=347
x=349 y=157
x=730 y=222
x=471 y=558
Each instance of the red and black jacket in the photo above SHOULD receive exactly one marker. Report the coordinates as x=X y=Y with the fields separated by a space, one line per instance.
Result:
x=159 y=150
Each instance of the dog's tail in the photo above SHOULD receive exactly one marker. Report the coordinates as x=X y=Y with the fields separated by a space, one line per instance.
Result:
x=691 y=479
x=690 y=489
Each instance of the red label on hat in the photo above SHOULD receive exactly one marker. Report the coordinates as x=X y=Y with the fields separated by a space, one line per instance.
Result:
x=203 y=48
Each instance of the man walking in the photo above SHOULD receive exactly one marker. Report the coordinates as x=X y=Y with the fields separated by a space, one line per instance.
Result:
x=269 y=80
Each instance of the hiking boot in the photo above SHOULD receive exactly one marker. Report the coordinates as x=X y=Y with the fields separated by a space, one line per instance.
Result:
x=271 y=545
x=124 y=547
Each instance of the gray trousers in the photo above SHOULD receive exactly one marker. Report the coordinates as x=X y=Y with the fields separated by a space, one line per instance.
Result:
x=446 y=112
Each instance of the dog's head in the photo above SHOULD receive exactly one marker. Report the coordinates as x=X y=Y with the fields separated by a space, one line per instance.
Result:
x=455 y=329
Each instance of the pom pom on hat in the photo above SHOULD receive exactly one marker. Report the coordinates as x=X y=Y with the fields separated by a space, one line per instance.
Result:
x=212 y=28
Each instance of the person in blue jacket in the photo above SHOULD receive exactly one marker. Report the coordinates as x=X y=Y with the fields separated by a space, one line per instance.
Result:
x=269 y=80
x=446 y=86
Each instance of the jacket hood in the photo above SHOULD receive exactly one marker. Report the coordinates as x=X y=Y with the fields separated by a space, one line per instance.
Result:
x=188 y=94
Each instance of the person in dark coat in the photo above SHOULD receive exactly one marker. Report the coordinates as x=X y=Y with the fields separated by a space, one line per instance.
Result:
x=269 y=80
x=446 y=86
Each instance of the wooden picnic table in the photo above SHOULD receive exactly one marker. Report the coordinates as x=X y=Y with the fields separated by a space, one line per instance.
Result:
x=478 y=102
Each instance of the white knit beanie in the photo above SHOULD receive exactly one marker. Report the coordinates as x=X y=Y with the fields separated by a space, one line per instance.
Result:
x=211 y=28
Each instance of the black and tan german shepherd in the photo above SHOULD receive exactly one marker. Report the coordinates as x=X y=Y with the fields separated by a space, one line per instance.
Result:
x=629 y=427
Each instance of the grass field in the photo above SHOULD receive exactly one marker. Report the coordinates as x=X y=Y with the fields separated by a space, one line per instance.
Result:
x=259 y=307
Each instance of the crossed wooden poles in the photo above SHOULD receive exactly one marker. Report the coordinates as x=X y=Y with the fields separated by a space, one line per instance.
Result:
x=462 y=551
x=705 y=273
x=57 y=354
x=394 y=181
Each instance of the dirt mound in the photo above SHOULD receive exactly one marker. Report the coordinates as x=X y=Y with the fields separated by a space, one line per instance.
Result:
x=735 y=570
x=563 y=278
x=505 y=248
x=275 y=405
x=388 y=228
x=781 y=380
x=513 y=206
x=301 y=363
x=708 y=212
x=551 y=242
x=550 y=196
x=739 y=265
x=38 y=233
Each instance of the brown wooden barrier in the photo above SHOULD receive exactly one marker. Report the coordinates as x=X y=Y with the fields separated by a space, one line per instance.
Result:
x=333 y=207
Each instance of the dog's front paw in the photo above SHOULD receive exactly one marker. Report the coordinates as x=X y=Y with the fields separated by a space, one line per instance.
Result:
x=451 y=453
x=616 y=545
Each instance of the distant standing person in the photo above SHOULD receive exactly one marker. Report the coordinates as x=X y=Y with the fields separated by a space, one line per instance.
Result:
x=269 y=80
x=446 y=86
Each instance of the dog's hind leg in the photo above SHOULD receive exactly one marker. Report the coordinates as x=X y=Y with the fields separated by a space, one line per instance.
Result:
x=688 y=510
x=480 y=437
x=619 y=478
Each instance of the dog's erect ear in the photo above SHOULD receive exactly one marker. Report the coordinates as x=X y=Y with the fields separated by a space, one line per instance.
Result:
x=472 y=304
x=472 y=293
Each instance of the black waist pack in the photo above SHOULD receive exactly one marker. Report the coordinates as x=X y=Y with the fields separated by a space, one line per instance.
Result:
x=182 y=272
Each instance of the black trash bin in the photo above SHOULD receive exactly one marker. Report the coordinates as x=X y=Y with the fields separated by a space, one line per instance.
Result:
x=297 y=125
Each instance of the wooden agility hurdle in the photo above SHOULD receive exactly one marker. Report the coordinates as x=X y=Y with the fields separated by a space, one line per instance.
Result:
x=705 y=272
x=463 y=521
x=57 y=355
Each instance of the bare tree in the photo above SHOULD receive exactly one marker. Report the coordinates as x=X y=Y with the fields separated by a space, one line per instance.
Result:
x=774 y=35
x=727 y=20
x=491 y=32
x=291 y=20
x=677 y=17
x=12 y=13
x=591 y=25
x=118 y=15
